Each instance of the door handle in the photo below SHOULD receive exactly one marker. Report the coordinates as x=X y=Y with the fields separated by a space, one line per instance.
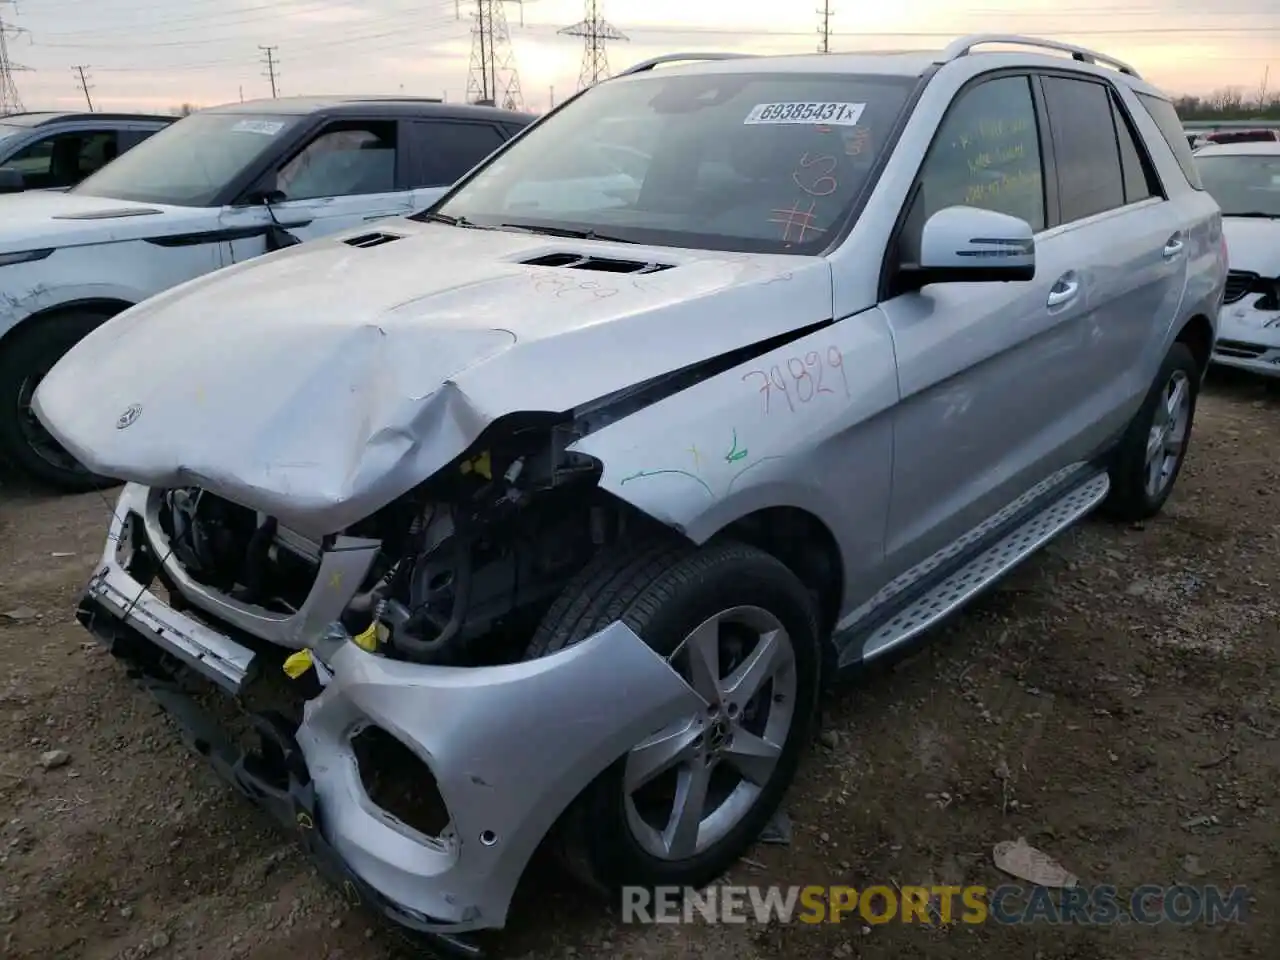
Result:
x=1064 y=291
x=1173 y=247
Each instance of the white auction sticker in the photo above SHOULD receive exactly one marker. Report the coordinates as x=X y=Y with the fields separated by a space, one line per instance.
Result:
x=839 y=114
x=268 y=128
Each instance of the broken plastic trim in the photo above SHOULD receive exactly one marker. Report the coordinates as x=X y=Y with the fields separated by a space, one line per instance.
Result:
x=276 y=779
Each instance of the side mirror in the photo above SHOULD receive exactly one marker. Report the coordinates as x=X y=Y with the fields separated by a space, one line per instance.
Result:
x=11 y=181
x=260 y=197
x=970 y=245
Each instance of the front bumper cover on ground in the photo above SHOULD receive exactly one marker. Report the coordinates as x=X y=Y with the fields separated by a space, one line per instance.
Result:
x=1248 y=338
x=508 y=747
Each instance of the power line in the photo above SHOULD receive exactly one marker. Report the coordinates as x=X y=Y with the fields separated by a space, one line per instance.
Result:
x=79 y=69
x=10 y=99
x=594 y=30
x=492 y=74
x=824 y=30
x=268 y=54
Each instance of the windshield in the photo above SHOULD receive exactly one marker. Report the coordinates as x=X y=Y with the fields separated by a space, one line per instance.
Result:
x=7 y=131
x=1245 y=184
x=747 y=162
x=189 y=163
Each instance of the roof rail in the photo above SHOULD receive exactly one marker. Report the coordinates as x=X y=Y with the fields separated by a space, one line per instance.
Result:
x=646 y=65
x=965 y=45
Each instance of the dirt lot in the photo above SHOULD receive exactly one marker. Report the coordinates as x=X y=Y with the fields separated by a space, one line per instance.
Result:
x=1123 y=684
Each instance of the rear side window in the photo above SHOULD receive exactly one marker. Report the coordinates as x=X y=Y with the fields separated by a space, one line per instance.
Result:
x=1090 y=175
x=1166 y=119
x=446 y=149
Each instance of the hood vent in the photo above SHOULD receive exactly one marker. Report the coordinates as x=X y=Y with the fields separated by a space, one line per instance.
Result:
x=576 y=261
x=366 y=240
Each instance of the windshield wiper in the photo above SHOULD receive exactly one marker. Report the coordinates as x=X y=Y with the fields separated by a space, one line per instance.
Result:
x=565 y=232
x=451 y=221
x=1255 y=214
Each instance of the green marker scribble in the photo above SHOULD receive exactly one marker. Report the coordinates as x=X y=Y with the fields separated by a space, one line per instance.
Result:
x=657 y=473
x=734 y=453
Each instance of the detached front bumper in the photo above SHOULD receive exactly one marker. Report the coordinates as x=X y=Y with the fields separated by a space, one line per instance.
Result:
x=506 y=748
x=1248 y=338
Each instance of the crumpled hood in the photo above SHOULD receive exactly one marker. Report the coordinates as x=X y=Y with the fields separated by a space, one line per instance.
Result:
x=1253 y=245
x=39 y=219
x=320 y=382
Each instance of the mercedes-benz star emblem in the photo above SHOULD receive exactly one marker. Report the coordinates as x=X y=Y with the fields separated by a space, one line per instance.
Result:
x=129 y=416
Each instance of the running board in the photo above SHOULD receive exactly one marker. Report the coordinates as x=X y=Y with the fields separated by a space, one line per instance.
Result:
x=981 y=572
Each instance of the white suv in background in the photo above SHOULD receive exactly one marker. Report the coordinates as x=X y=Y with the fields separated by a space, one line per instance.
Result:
x=1245 y=180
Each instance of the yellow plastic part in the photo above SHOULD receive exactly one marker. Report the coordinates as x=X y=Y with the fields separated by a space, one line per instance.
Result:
x=298 y=664
x=368 y=640
x=482 y=465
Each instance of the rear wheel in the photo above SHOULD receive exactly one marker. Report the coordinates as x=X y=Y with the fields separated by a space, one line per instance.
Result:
x=680 y=808
x=1151 y=454
x=24 y=442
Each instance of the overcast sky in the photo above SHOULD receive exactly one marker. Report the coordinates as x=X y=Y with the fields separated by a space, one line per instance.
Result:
x=156 y=54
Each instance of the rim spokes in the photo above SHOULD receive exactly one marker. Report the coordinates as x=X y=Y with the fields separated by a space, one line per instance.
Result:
x=681 y=836
x=752 y=756
x=690 y=784
x=661 y=752
x=702 y=655
x=760 y=666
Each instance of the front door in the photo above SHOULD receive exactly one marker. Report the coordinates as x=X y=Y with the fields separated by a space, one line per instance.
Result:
x=990 y=374
x=351 y=173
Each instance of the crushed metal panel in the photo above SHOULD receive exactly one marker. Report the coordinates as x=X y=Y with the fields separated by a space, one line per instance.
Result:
x=321 y=383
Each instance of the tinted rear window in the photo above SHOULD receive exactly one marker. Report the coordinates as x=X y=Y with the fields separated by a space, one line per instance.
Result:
x=1166 y=119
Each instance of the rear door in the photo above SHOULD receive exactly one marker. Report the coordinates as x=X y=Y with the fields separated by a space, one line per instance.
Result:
x=1113 y=211
x=441 y=151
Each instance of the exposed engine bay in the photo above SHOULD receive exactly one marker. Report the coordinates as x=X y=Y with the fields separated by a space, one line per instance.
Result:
x=469 y=559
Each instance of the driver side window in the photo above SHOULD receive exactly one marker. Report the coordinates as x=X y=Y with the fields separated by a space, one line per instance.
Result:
x=986 y=154
x=344 y=160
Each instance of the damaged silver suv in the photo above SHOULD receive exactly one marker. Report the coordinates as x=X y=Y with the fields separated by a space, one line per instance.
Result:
x=563 y=496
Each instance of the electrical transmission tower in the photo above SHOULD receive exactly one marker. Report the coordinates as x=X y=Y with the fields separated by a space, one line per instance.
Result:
x=824 y=31
x=10 y=100
x=85 y=85
x=594 y=30
x=269 y=58
x=492 y=77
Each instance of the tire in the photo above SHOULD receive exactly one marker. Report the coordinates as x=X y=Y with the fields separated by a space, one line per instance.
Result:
x=662 y=590
x=1135 y=496
x=24 y=443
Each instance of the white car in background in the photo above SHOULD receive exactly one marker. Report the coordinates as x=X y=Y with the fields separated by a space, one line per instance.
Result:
x=216 y=188
x=1245 y=180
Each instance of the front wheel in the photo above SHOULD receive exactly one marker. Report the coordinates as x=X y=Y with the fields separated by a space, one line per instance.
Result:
x=1150 y=456
x=680 y=808
x=24 y=442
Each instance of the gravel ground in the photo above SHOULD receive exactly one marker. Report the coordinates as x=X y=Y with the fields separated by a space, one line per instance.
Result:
x=1114 y=702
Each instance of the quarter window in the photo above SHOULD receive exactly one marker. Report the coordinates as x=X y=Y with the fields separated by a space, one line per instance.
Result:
x=986 y=154
x=1139 y=182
